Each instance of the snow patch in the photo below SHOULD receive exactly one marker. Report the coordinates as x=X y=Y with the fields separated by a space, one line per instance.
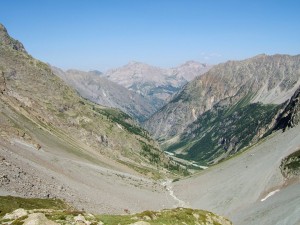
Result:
x=269 y=195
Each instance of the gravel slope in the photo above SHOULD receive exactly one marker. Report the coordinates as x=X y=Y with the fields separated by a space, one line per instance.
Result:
x=97 y=185
x=236 y=187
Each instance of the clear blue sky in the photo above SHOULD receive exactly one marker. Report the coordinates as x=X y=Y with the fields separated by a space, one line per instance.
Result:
x=101 y=34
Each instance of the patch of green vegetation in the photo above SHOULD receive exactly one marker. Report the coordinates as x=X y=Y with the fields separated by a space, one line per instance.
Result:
x=154 y=174
x=56 y=210
x=63 y=214
x=123 y=119
x=290 y=165
x=294 y=165
x=19 y=221
x=167 y=217
x=10 y=203
x=116 y=219
x=151 y=153
x=177 y=168
x=224 y=130
x=246 y=100
x=175 y=180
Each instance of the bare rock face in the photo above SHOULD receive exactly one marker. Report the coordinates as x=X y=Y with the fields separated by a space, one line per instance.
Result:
x=38 y=219
x=5 y=39
x=227 y=109
x=18 y=213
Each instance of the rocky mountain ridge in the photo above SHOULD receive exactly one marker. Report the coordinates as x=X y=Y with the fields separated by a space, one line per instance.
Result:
x=153 y=82
x=95 y=87
x=196 y=117
x=6 y=40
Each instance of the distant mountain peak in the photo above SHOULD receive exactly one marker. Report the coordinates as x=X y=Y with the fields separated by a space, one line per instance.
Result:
x=136 y=64
x=132 y=62
x=96 y=72
x=260 y=55
x=6 y=40
x=194 y=63
x=190 y=62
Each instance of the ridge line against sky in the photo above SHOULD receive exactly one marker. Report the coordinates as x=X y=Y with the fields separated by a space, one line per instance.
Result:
x=105 y=34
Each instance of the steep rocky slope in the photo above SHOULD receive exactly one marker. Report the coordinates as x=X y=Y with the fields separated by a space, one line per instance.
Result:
x=31 y=94
x=5 y=39
x=156 y=83
x=226 y=109
x=55 y=144
x=100 y=90
x=290 y=116
x=250 y=187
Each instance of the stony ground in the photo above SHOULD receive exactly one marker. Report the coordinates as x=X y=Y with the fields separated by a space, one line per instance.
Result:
x=90 y=185
x=249 y=188
x=167 y=217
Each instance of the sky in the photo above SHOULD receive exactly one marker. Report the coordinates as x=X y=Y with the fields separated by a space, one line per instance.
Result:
x=104 y=34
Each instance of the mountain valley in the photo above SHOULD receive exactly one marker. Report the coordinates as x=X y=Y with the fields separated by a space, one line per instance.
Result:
x=218 y=139
x=230 y=107
x=102 y=91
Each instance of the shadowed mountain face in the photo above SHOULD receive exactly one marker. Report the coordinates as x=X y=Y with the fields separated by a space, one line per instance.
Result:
x=156 y=83
x=226 y=109
x=290 y=116
x=98 y=89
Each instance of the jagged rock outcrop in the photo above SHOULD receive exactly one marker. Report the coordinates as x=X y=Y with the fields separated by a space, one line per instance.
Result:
x=6 y=40
x=98 y=89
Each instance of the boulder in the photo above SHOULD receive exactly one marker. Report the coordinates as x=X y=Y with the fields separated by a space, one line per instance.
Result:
x=15 y=214
x=38 y=219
